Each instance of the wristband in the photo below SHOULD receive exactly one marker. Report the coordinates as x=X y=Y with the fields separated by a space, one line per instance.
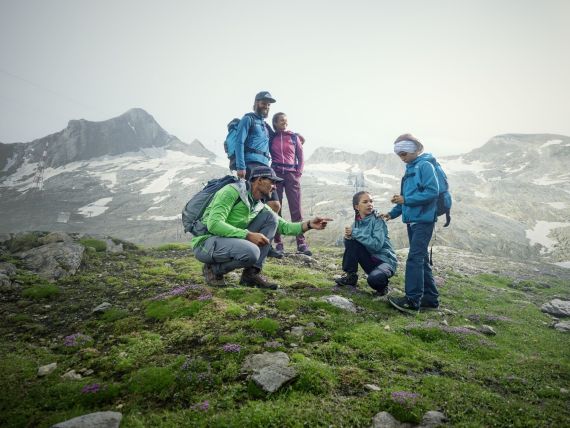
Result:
x=309 y=225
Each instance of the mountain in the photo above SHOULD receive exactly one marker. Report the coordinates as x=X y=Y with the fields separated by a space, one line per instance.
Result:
x=108 y=175
x=129 y=178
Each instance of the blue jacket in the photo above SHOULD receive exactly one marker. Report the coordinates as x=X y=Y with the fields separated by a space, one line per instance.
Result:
x=372 y=232
x=252 y=141
x=420 y=191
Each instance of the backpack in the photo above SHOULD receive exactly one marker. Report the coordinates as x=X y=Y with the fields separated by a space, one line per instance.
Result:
x=444 y=198
x=195 y=207
x=230 y=141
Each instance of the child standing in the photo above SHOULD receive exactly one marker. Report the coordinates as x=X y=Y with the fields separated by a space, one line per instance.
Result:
x=286 y=149
x=418 y=206
x=366 y=243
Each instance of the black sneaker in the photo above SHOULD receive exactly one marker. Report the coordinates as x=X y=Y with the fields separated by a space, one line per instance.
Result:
x=276 y=254
x=304 y=249
x=428 y=306
x=383 y=292
x=252 y=277
x=349 y=278
x=404 y=305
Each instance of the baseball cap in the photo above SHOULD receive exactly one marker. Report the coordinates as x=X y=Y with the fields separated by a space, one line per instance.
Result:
x=264 y=171
x=264 y=95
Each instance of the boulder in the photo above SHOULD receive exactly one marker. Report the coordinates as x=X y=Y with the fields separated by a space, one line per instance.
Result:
x=54 y=237
x=53 y=261
x=47 y=369
x=257 y=362
x=340 y=302
x=557 y=307
x=93 y=420
x=273 y=377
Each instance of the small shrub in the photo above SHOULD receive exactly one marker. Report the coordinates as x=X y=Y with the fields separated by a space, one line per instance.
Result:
x=174 y=246
x=287 y=305
x=23 y=242
x=38 y=292
x=174 y=308
x=114 y=314
x=153 y=381
x=127 y=325
x=94 y=243
x=235 y=310
x=314 y=377
x=265 y=325
x=96 y=394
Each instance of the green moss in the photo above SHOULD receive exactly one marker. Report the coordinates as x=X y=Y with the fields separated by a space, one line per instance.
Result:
x=175 y=246
x=136 y=351
x=114 y=314
x=265 y=325
x=173 y=308
x=41 y=292
x=314 y=377
x=97 y=244
x=153 y=381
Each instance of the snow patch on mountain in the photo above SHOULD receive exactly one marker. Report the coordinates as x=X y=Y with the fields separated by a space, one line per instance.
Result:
x=95 y=208
x=461 y=165
x=549 y=179
x=539 y=234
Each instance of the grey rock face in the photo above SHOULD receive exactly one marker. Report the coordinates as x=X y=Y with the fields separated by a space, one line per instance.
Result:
x=557 y=307
x=53 y=261
x=93 y=420
x=340 y=302
x=273 y=377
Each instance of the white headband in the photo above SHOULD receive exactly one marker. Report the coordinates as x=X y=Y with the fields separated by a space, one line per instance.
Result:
x=405 y=146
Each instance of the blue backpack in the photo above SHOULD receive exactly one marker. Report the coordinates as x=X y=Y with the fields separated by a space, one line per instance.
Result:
x=444 y=198
x=230 y=141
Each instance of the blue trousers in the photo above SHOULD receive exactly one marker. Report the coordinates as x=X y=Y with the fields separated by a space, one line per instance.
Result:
x=420 y=285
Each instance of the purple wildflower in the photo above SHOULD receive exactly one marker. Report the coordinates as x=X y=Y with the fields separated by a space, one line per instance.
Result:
x=176 y=291
x=76 y=339
x=203 y=406
x=231 y=347
x=405 y=397
x=91 y=389
x=205 y=296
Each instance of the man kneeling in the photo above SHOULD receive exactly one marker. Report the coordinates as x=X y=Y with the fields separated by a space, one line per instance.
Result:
x=240 y=230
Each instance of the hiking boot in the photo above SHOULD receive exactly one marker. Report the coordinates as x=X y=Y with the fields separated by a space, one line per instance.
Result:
x=428 y=306
x=382 y=292
x=276 y=254
x=212 y=278
x=252 y=277
x=304 y=249
x=349 y=278
x=404 y=304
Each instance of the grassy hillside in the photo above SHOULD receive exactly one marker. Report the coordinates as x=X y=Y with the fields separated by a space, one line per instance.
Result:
x=168 y=353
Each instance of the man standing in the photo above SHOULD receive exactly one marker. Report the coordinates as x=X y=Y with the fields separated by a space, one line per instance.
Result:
x=240 y=230
x=252 y=146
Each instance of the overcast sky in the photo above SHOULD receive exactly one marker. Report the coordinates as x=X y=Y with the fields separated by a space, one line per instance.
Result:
x=349 y=74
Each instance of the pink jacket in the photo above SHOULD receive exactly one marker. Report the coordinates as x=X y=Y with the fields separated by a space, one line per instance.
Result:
x=287 y=152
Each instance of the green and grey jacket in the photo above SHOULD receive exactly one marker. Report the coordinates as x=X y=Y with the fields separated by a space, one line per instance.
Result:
x=230 y=212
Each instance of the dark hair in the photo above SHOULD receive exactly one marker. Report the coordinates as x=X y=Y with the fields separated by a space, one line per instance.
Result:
x=356 y=200
x=276 y=117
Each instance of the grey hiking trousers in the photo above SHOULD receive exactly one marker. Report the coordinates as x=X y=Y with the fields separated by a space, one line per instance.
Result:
x=227 y=254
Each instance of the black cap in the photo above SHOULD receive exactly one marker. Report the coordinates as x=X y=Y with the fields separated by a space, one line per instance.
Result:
x=264 y=171
x=264 y=95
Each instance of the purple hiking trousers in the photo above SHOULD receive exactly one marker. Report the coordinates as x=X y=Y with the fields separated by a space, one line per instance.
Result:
x=292 y=185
